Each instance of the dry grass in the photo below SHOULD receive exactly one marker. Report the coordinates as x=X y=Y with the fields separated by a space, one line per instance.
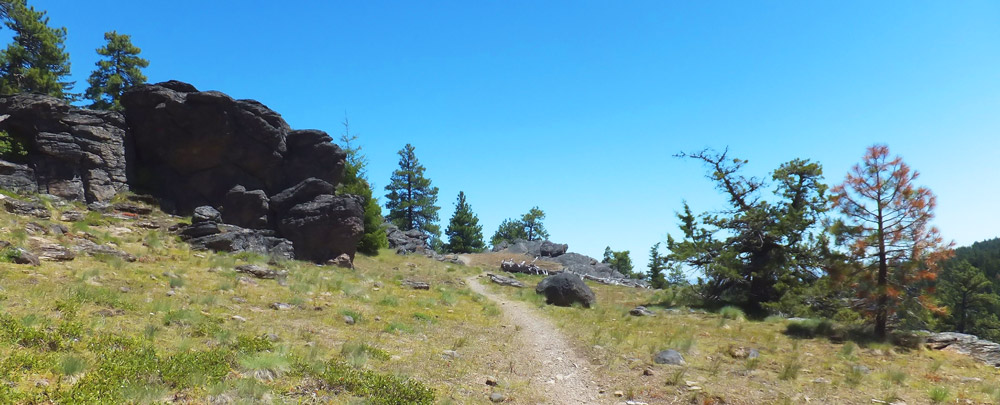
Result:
x=210 y=307
x=789 y=370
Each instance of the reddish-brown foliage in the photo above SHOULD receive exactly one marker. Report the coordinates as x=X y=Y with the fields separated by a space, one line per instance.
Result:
x=888 y=218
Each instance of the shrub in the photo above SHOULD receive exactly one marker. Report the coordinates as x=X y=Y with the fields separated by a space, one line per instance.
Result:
x=377 y=388
x=938 y=394
x=731 y=312
x=810 y=328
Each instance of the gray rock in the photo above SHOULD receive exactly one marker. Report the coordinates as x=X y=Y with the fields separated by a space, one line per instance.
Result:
x=497 y=397
x=281 y=306
x=26 y=208
x=21 y=256
x=206 y=214
x=93 y=249
x=550 y=249
x=565 y=289
x=640 y=311
x=412 y=241
x=246 y=209
x=54 y=252
x=72 y=216
x=73 y=153
x=261 y=272
x=17 y=178
x=983 y=350
x=349 y=319
x=670 y=357
x=505 y=281
x=416 y=285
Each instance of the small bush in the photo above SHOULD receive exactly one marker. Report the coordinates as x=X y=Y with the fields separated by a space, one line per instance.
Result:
x=731 y=312
x=377 y=388
x=246 y=344
x=854 y=375
x=810 y=328
x=71 y=365
x=265 y=366
x=939 y=394
x=790 y=370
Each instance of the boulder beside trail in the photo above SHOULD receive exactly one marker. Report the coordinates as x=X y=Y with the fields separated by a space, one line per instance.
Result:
x=565 y=289
x=983 y=350
x=670 y=357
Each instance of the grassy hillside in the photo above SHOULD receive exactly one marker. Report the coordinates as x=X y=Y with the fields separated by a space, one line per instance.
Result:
x=180 y=325
x=788 y=369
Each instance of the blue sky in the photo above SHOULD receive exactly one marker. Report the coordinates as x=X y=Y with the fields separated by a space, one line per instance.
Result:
x=578 y=106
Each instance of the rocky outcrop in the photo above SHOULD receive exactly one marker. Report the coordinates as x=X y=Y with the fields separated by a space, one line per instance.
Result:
x=323 y=227
x=581 y=265
x=983 y=350
x=207 y=232
x=192 y=147
x=524 y=267
x=73 y=153
x=565 y=289
x=412 y=241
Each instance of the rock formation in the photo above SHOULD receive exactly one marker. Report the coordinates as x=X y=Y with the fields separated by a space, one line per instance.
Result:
x=192 y=147
x=73 y=153
x=581 y=265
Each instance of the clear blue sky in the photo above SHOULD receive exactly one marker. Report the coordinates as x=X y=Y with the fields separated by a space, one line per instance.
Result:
x=578 y=106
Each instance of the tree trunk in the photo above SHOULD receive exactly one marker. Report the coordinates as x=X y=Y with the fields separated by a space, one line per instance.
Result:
x=882 y=305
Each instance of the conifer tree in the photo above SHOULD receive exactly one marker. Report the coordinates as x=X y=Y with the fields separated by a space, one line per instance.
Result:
x=532 y=223
x=508 y=231
x=36 y=61
x=465 y=235
x=620 y=261
x=967 y=294
x=356 y=182
x=887 y=222
x=656 y=266
x=119 y=71
x=411 y=199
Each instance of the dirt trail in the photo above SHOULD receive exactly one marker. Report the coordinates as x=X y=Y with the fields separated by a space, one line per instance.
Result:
x=564 y=376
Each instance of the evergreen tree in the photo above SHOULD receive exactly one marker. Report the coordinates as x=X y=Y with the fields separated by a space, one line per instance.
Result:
x=411 y=199
x=355 y=182
x=620 y=261
x=755 y=253
x=36 y=61
x=532 y=223
x=656 y=266
x=120 y=71
x=465 y=235
x=966 y=292
x=508 y=231
x=887 y=224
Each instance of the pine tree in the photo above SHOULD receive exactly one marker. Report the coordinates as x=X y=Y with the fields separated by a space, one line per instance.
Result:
x=465 y=235
x=532 y=223
x=411 y=199
x=619 y=261
x=120 y=71
x=36 y=61
x=656 y=266
x=966 y=292
x=887 y=222
x=508 y=231
x=356 y=183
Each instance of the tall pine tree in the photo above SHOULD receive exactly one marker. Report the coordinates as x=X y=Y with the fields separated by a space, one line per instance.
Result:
x=465 y=235
x=508 y=231
x=656 y=266
x=356 y=182
x=120 y=71
x=36 y=61
x=411 y=199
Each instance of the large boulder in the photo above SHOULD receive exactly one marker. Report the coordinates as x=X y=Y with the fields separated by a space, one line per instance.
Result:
x=320 y=226
x=550 y=249
x=565 y=289
x=73 y=153
x=192 y=147
x=247 y=209
x=412 y=241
